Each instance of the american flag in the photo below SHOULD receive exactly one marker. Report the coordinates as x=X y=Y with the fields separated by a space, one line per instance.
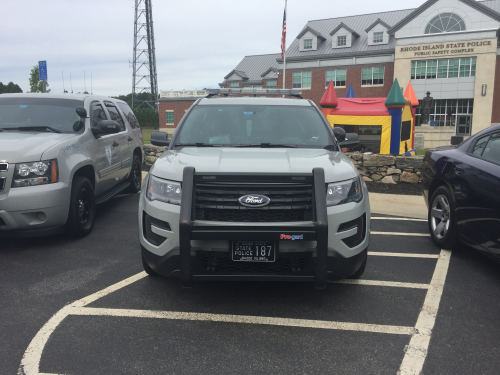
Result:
x=283 y=35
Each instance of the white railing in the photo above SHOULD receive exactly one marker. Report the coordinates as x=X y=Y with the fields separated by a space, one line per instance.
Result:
x=183 y=93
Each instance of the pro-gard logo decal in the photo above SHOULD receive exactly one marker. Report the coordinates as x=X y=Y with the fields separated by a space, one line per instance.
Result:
x=254 y=200
x=292 y=237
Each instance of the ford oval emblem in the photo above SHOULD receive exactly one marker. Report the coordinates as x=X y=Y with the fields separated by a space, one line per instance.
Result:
x=254 y=200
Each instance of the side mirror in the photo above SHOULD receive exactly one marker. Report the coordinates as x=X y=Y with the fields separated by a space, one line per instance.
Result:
x=82 y=112
x=339 y=134
x=105 y=127
x=350 y=140
x=160 y=138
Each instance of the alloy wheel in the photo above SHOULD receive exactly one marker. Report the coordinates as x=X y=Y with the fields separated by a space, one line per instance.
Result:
x=440 y=216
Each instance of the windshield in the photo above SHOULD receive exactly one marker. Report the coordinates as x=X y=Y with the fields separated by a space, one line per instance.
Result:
x=39 y=113
x=254 y=125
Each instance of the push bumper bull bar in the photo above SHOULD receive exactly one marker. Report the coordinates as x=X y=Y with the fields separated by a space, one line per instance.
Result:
x=188 y=232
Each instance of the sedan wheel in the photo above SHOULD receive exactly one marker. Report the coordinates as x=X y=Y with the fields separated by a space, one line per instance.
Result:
x=440 y=220
x=442 y=225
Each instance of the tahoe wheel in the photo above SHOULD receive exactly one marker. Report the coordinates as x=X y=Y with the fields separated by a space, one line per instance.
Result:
x=148 y=269
x=81 y=208
x=441 y=218
x=360 y=271
x=135 y=177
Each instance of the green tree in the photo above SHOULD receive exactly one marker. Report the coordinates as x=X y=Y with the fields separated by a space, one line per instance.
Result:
x=11 y=87
x=35 y=84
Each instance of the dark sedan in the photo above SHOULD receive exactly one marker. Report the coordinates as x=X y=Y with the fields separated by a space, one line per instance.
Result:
x=462 y=192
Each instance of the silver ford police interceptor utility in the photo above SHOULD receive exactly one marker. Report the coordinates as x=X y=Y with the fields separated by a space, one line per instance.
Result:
x=60 y=155
x=254 y=189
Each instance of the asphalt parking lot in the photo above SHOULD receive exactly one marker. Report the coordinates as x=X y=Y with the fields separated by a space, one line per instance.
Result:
x=86 y=307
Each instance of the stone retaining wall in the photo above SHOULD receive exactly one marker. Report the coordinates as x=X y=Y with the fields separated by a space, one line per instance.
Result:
x=386 y=169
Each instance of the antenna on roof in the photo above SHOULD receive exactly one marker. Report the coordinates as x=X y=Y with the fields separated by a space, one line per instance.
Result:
x=62 y=73
x=84 y=82
x=70 y=83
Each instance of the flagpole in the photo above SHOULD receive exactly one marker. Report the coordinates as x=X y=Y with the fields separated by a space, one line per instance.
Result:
x=284 y=51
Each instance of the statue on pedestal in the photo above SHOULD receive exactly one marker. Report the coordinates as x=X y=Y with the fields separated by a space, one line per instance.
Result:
x=427 y=107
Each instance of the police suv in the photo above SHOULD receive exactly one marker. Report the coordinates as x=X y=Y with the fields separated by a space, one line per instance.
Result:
x=254 y=188
x=60 y=155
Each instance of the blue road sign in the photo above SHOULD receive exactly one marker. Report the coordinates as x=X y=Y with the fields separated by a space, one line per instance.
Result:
x=42 y=70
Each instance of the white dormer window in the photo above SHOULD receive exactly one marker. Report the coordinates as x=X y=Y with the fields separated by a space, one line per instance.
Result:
x=378 y=37
x=341 y=40
x=308 y=43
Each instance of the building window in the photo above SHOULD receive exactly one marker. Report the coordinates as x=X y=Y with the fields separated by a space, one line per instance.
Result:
x=447 y=68
x=378 y=37
x=170 y=117
x=341 y=40
x=301 y=80
x=338 y=76
x=308 y=43
x=234 y=85
x=372 y=76
x=445 y=23
x=272 y=84
x=450 y=112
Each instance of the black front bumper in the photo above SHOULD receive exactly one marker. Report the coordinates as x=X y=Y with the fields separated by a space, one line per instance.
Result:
x=316 y=266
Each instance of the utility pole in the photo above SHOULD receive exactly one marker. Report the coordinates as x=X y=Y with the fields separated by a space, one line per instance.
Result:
x=144 y=77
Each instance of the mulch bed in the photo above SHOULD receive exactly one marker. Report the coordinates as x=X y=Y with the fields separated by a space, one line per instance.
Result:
x=400 y=188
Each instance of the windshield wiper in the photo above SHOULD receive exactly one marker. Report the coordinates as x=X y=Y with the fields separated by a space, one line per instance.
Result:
x=266 y=145
x=199 y=144
x=30 y=128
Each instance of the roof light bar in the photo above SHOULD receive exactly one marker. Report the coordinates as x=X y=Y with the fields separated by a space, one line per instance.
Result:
x=254 y=92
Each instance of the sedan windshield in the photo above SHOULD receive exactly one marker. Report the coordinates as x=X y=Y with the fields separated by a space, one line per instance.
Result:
x=254 y=126
x=39 y=114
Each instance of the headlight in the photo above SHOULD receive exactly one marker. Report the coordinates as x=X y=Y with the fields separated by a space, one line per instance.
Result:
x=35 y=173
x=163 y=190
x=344 y=192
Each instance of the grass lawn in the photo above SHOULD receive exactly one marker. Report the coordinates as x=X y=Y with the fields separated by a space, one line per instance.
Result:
x=419 y=152
x=146 y=134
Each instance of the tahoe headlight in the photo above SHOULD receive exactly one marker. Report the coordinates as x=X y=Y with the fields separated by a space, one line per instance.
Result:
x=35 y=173
x=344 y=192
x=163 y=190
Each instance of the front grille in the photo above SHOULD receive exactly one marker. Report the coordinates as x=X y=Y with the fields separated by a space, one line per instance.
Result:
x=219 y=202
x=219 y=265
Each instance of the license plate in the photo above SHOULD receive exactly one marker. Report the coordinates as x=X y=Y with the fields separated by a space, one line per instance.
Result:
x=253 y=251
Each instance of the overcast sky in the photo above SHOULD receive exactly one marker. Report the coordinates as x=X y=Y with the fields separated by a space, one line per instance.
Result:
x=198 y=42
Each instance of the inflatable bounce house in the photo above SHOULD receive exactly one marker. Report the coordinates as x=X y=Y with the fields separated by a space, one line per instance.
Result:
x=384 y=125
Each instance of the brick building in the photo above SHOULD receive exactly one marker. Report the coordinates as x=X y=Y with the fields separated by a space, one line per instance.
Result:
x=447 y=47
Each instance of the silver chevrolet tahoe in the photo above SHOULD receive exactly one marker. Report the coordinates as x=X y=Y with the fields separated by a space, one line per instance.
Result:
x=60 y=155
x=254 y=189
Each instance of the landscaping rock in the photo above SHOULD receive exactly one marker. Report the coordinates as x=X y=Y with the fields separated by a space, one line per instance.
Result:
x=357 y=157
x=396 y=177
x=150 y=159
x=367 y=179
x=378 y=160
x=403 y=162
x=409 y=177
x=393 y=171
x=388 y=180
x=376 y=177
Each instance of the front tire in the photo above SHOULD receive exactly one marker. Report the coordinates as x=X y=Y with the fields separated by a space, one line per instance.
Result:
x=441 y=218
x=81 y=208
x=148 y=269
x=135 y=177
x=360 y=271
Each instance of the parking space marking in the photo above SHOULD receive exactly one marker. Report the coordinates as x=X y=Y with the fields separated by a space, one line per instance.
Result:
x=396 y=218
x=402 y=255
x=416 y=352
x=244 y=319
x=402 y=234
x=394 y=284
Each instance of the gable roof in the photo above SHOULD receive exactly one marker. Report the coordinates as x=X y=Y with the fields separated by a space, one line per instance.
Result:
x=251 y=67
x=357 y=23
x=238 y=73
x=343 y=25
x=306 y=29
x=378 y=21
x=479 y=6
x=268 y=71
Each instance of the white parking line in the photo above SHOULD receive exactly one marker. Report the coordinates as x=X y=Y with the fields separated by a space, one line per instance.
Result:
x=402 y=255
x=416 y=351
x=245 y=319
x=393 y=284
x=402 y=234
x=396 y=218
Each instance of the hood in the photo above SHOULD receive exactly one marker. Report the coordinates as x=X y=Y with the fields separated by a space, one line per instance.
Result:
x=26 y=146
x=254 y=160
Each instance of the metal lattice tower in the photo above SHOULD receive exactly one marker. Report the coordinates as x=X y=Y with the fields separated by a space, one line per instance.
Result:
x=144 y=77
